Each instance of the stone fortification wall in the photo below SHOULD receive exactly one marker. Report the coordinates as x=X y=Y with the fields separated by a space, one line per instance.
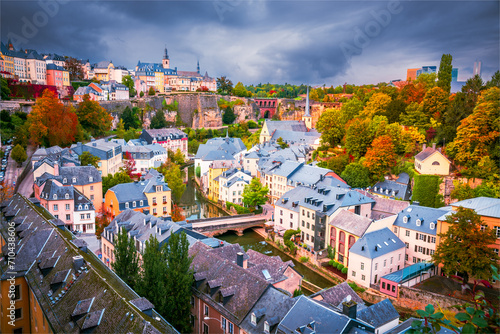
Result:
x=246 y=112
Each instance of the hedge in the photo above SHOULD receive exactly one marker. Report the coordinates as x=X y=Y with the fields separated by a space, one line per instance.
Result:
x=426 y=191
x=344 y=270
x=239 y=209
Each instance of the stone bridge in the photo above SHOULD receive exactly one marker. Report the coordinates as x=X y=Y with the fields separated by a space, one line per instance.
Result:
x=216 y=226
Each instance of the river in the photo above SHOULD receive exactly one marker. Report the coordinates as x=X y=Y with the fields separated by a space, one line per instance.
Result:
x=196 y=207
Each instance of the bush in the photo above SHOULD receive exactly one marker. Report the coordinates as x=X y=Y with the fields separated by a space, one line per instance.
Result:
x=239 y=209
x=304 y=259
x=355 y=287
x=344 y=270
x=340 y=266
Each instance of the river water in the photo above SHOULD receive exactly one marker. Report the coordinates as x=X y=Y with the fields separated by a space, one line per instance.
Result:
x=196 y=207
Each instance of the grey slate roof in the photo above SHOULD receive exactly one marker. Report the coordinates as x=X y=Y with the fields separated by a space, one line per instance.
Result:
x=52 y=188
x=392 y=189
x=337 y=294
x=274 y=265
x=484 y=206
x=162 y=134
x=424 y=214
x=378 y=314
x=385 y=207
x=296 y=137
x=228 y=147
x=377 y=243
x=351 y=222
x=81 y=173
x=296 y=126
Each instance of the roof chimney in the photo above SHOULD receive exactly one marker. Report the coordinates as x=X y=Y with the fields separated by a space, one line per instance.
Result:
x=349 y=308
x=424 y=147
x=433 y=146
x=240 y=261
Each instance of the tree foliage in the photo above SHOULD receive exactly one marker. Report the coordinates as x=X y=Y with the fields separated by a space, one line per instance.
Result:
x=377 y=105
x=228 y=117
x=356 y=175
x=86 y=159
x=74 y=67
x=444 y=74
x=52 y=123
x=240 y=90
x=254 y=194
x=358 y=137
x=177 y=215
x=19 y=154
x=464 y=247
x=126 y=264
x=282 y=143
x=112 y=180
x=151 y=91
x=130 y=118
x=380 y=157
x=158 y=121
x=224 y=85
x=92 y=117
x=129 y=82
x=435 y=103
x=426 y=190
x=330 y=126
x=173 y=177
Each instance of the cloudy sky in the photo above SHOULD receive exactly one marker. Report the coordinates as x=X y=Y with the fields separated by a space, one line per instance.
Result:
x=317 y=42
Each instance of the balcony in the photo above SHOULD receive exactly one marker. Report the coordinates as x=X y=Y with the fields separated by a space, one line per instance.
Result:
x=155 y=204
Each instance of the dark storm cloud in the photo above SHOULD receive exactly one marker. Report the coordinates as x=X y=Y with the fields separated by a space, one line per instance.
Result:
x=269 y=41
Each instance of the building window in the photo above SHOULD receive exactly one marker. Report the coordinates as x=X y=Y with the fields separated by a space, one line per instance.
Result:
x=141 y=203
x=497 y=231
x=192 y=300
x=56 y=207
x=230 y=328
x=407 y=233
x=363 y=278
x=407 y=245
x=88 y=215
x=82 y=216
x=17 y=292
x=133 y=204
x=266 y=327
x=206 y=311
x=385 y=263
x=395 y=230
x=126 y=205
x=205 y=329
x=223 y=323
x=376 y=266
x=18 y=313
x=353 y=273
x=67 y=206
x=291 y=216
x=91 y=188
x=362 y=266
x=254 y=319
x=91 y=197
x=68 y=217
x=406 y=257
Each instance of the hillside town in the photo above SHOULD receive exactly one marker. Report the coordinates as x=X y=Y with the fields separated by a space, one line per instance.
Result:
x=156 y=200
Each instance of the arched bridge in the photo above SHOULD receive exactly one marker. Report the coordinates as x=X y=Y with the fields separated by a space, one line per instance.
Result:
x=220 y=225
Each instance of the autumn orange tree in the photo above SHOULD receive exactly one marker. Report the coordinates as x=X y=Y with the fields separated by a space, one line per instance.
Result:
x=435 y=103
x=51 y=122
x=380 y=156
x=177 y=215
x=6 y=192
x=93 y=118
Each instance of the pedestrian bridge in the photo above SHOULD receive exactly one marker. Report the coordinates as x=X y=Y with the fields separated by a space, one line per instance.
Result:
x=220 y=225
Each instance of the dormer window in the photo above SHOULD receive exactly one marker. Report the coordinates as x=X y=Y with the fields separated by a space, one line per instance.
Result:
x=254 y=319
x=66 y=196
x=266 y=327
x=80 y=207
x=91 y=179
x=86 y=207
x=432 y=226
x=405 y=219
x=133 y=204
x=419 y=222
x=74 y=180
x=54 y=196
x=141 y=203
x=65 y=180
x=126 y=205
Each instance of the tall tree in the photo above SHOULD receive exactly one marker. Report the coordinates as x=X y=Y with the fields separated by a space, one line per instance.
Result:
x=92 y=117
x=380 y=156
x=240 y=90
x=4 y=89
x=330 y=126
x=435 y=103
x=444 y=74
x=19 y=154
x=126 y=264
x=178 y=282
x=173 y=177
x=158 y=121
x=377 y=105
x=478 y=134
x=86 y=159
x=130 y=119
x=151 y=283
x=495 y=80
x=358 y=137
x=464 y=248
x=74 y=67
x=350 y=110
x=224 y=85
x=51 y=122
x=128 y=164
x=255 y=194
x=356 y=175
x=228 y=117
x=129 y=82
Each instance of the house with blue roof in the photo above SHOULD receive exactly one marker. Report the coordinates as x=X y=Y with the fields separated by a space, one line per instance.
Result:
x=374 y=255
x=312 y=209
x=150 y=194
x=408 y=276
x=108 y=152
x=418 y=226
x=397 y=189
x=231 y=185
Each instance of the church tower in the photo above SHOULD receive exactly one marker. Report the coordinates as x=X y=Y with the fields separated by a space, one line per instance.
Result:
x=307 y=118
x=198 y=67
x=166 y=61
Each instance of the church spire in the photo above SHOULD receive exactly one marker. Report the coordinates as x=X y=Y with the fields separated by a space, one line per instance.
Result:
x=307 y=103
x=165 y=56
x=198 y=67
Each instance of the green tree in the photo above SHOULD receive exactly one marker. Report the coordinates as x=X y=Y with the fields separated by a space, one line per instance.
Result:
x=4 y=89
x=173 y=177
x=92 y=117
x=358 y=137
x=239 y=90
x=129 y=82
x=130 y=119
x=282 y=143
x=19 y=154
x=178 y=282
x=158 y=121
x=228 y=117
x=435 y=103
x=255 y=194
x=495 y=80
x=394 y=109
x=178 y=157
x=112 y=180
x=356 y=175
x=126 y=264
x=426 y=190
x=428 y=80
x=86 y=159
x=151 y=91
x=151 y=283
x=377 y=105
x=415 y=116
x=120 y=129
x=478 y=134
x=141 y=94
x=224 y=86
x=330 y=126
x=464 y=247
x=444 y=74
